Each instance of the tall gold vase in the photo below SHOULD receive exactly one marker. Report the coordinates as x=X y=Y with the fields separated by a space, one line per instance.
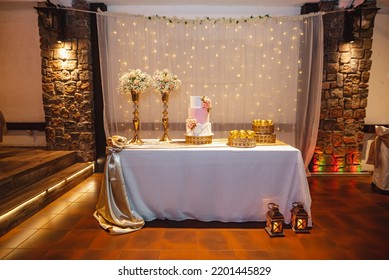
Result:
x=136 y=121
x=165 y=120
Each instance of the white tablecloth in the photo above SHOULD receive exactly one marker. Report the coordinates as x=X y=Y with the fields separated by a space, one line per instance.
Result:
x=215 y=182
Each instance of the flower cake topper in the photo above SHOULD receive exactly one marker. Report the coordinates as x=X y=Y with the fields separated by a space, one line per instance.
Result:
x=191 y=123
x=206 y=103
x=165 y=82
x=134 y=81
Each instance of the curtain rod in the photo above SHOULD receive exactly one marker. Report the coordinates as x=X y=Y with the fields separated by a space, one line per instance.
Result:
x=123 y=14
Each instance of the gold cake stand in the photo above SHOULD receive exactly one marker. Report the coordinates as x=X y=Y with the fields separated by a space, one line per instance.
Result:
x=198 y=140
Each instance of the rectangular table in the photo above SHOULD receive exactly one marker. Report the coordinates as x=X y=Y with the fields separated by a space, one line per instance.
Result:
x=213 y=182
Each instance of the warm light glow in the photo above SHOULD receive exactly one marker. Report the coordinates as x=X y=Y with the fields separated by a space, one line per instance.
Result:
x=45 y=192
x=63 y=53
x=277 y=227
x=301 y=223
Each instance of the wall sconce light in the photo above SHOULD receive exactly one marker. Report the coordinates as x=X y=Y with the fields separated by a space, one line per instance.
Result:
x=63 y=53
x=54 y=20
x=365 y=16
x=274 y=221
x=359 y=19
x=299 y=219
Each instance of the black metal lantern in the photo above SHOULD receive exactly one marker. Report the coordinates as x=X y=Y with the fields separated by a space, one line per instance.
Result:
x=53 y=19
x=358 y=19
x=348 y=28
x=274 y=221
x=365 y=16
x=299 y=219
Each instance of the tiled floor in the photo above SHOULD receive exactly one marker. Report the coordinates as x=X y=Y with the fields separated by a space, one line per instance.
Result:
x=350 y=222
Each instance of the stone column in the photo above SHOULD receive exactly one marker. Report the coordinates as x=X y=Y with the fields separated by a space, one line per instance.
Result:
x=344 y=94
x=67 y=85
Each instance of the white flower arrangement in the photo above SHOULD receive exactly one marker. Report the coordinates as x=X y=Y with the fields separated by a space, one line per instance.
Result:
x=134 y=81
x=165 y=82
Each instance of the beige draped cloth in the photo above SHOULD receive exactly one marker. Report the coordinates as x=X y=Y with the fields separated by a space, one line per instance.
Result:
x=379 y=157
x=113 y=210
x=382 y=137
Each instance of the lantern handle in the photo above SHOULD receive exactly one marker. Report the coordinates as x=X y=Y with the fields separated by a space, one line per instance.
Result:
x=272 y=205
x=295 y=204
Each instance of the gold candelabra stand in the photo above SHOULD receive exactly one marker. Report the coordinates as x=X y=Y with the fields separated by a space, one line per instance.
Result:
x=136 y=121
x=165 y=120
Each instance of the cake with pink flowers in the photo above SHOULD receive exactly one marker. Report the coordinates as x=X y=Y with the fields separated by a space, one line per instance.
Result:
x=198 y=127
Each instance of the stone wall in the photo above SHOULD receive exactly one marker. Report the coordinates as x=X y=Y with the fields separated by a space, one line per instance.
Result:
x=67 y=84
x=344 y=94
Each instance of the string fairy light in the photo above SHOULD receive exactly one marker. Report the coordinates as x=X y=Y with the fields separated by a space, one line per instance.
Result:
x=244 y=63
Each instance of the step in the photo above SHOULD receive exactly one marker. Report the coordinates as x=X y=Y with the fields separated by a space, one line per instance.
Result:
x=27 y=166
x=39 y=194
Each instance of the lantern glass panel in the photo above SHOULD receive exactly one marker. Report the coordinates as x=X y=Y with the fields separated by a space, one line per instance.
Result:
x=274 y=221
x=301 y=223
x=299 y=218
x=277 y=227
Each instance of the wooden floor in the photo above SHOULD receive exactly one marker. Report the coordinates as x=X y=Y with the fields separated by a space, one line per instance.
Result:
x=16 y=160
x=21 y=167
x=349 y=222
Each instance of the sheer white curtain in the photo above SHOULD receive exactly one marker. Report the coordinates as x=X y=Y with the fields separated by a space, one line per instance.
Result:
x=310 y=86
x=251 y=68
